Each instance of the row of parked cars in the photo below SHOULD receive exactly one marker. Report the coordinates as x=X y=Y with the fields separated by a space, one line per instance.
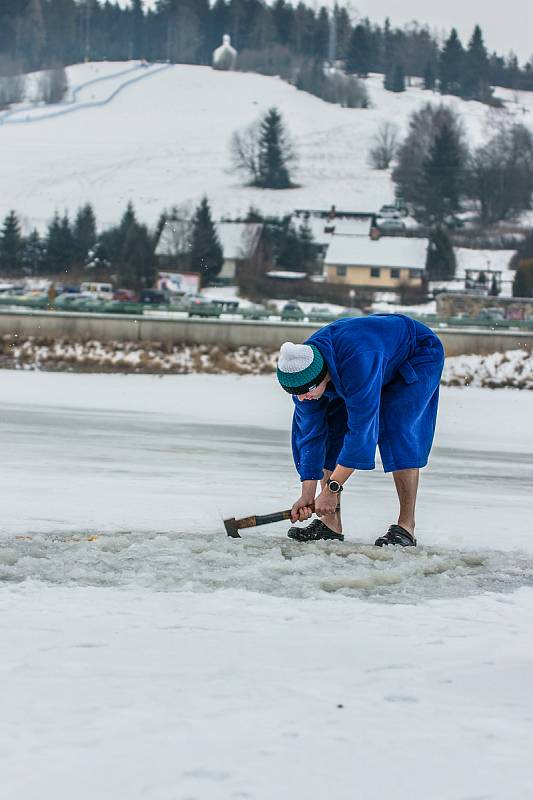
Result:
x=100 y=298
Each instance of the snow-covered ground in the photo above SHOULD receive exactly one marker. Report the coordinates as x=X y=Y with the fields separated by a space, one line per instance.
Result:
x=146 y=655
x=165 y=141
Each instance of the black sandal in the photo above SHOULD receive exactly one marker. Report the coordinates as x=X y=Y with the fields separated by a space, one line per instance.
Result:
x=315 y=530
x=396 y=535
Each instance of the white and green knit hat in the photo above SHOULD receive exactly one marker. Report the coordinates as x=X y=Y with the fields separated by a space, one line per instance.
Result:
x=301 y=367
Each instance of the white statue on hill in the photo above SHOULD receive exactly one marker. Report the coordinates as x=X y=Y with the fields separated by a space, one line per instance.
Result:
x=225 y=56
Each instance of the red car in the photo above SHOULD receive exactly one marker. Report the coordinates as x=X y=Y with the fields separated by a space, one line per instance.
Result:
x=125 y=295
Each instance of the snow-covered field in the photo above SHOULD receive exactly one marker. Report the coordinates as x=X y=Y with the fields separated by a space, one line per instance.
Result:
x=146 y=655
x=165 y=141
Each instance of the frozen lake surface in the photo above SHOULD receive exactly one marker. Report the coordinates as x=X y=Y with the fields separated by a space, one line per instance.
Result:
x=146 y=654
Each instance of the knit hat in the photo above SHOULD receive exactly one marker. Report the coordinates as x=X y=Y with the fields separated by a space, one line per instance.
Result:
x=300 y=367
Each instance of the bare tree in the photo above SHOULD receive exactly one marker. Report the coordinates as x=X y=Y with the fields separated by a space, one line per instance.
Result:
x=244 y=149
x=12 y=82
x=500 y=174
x=53 y=85
x=385 y=146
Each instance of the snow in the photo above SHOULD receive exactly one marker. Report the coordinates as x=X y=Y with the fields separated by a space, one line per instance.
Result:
x=387 y=251
x=145 y=654
x=173 y=128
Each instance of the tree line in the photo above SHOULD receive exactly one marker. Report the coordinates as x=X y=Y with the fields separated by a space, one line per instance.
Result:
x=280 y=38
x=74 y=249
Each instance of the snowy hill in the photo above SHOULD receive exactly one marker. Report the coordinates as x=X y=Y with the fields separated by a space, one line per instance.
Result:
x=160 y=136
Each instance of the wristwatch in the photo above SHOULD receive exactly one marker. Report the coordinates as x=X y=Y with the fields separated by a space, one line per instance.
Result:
x=334 y=486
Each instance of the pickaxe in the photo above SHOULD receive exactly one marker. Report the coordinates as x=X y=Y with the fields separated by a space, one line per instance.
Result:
x=233 y=526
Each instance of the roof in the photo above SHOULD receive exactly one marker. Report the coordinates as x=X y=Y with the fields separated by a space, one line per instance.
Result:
x=323 y=229
x=238 y=239
x=388 y=251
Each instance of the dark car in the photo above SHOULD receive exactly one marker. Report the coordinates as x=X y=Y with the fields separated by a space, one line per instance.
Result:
x=291 y=311
x=154 y=297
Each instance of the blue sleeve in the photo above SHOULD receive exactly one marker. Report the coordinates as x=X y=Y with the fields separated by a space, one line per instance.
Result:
x=309 y=437
x=362 y=378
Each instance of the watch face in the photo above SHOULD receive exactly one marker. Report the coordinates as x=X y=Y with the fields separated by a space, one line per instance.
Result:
x=334 y=486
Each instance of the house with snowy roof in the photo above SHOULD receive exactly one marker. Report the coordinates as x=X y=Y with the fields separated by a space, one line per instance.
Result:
x=240 y=243
x=384 y=263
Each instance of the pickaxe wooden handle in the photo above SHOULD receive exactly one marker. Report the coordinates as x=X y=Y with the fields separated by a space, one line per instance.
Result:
x=233 y=526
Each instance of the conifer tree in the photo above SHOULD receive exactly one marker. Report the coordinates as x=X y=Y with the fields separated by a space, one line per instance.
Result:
x=395 y=79
x=32 y=34
x=136 y=267
x=451 y=65
x=440 y=262
x=523 y=280
x=475 y=76
x=442 y=174
x=207 y=257
x=83 y=233
x=359 y=57
x=33 y=254
x=11 y=244
x=429 y=76
x=55 y=259
x=275 y=153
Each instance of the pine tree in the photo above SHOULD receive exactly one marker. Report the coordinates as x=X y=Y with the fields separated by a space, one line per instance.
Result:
x=207 y=257
x=137 y=15
x=442 y=174
x=32 y=34
x=359 y=57
x=523 y=280
x=275 y=153
x=395 y=79
x=58 y=245
x=429 y=76
x=83 y=233
x=451 y=65
x=440 y=262
x=136 y=268
x=475 y=76
x=33 y=254
x=11 y=244
x=67 y=239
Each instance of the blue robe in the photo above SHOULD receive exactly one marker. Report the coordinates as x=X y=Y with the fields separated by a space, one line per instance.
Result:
x=385 y=373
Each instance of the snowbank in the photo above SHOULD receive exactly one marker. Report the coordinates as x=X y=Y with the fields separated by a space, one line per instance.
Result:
x=499 y=370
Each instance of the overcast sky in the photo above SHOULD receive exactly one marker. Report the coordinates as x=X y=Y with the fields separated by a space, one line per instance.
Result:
x=508 y=27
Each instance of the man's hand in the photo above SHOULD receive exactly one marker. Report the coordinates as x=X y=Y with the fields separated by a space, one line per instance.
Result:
x=302 y=509
x=326 y=503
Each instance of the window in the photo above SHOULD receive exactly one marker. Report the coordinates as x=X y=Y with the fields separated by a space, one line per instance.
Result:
x=375 y=272
x=341 y=271
x=395 y=273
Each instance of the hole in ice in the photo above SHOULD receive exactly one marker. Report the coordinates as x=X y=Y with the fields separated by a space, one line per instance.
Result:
x=183 y=561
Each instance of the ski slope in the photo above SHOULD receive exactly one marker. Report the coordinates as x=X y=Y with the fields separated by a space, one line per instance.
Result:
x=164 y=140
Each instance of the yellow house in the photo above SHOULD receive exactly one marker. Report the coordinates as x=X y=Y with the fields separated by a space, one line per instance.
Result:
x=383 y=263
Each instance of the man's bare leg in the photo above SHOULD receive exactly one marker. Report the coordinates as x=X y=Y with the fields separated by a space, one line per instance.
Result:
x=333 y=521
x=406 y=482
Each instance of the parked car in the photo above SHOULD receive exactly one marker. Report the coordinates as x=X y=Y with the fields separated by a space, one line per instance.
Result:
x=255 y=311
x=391 y=225
x=320 y=314
x=125 y=295
x=154 y=297
x=291 y=311
x=389 y=212
x=100 y=291
x=201 y=306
